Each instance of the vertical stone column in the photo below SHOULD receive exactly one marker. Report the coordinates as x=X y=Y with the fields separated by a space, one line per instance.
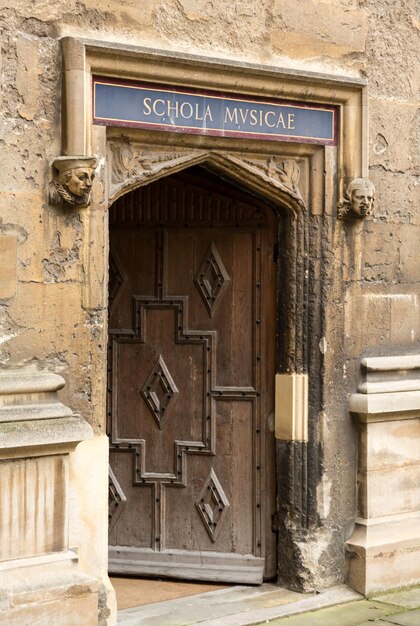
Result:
x=40 y=578
x=384 y=549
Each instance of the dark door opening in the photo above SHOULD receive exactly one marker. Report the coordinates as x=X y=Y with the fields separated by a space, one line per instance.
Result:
x=191 y=370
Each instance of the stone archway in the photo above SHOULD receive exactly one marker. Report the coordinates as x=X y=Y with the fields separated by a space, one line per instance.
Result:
x=276 y=181
x=274 y=178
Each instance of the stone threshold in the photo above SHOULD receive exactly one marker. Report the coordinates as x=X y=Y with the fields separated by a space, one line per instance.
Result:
x=236 y=606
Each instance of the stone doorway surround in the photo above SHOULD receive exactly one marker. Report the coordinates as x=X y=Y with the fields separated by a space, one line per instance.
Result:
x=128 y=158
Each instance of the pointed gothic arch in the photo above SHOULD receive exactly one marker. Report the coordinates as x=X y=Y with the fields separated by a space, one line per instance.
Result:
x=273 y=179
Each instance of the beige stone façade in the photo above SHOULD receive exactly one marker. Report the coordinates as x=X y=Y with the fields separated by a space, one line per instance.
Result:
x=53 y=261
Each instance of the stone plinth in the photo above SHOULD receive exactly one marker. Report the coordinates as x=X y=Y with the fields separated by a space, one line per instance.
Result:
x=40 y=580
x=384 y=549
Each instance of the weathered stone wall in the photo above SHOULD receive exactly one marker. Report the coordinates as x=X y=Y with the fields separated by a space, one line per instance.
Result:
x=373 y=306
x=380 y=288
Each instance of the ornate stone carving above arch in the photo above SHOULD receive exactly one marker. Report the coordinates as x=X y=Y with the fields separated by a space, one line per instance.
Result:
x=133 y=165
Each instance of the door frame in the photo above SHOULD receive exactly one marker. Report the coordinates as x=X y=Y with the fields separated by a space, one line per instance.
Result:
x=296 y=286
x=309 y=211
x=243 y=567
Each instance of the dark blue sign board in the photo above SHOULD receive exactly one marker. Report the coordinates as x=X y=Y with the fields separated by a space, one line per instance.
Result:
x=173 y=109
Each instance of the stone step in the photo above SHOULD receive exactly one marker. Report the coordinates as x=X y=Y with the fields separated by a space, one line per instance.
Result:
x=236 y=606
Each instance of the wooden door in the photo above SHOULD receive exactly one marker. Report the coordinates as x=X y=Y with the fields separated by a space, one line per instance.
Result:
x=191 y=378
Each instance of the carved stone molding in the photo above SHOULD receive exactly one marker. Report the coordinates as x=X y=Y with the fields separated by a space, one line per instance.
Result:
x=128 y=161
x=389 y=389
x=72 y=181
x=358 y=201
x=285 y=172
x=31 y=413
x=133 y=165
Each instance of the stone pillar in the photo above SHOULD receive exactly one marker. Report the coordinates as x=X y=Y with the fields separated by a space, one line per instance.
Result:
x=384 y=549
x=40 y=580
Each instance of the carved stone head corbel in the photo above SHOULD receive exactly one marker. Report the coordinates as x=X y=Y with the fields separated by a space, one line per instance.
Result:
x=72 y=181
x=358 y=200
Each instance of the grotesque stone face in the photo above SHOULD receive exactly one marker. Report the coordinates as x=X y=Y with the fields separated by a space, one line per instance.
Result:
x=358 y=200
x=79 y=181
x=72 y=183
x=362 y=200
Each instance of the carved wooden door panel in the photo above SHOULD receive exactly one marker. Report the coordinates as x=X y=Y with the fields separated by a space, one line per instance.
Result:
x=191 y=376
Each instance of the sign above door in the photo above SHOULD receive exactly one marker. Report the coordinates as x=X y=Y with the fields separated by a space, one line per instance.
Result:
x=186 y=110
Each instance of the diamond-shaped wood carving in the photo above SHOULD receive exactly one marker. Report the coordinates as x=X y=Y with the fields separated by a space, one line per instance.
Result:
x=116 y=277
x=212 y=505
x=212 y=278
x=159 y=391
x=116 y=499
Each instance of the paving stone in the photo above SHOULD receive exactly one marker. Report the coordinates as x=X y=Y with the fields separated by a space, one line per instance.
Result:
x=350 y=614
x=218 y=604
x=234 y=606
x=408 y=598
x=408 y=618
x=378 y=622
